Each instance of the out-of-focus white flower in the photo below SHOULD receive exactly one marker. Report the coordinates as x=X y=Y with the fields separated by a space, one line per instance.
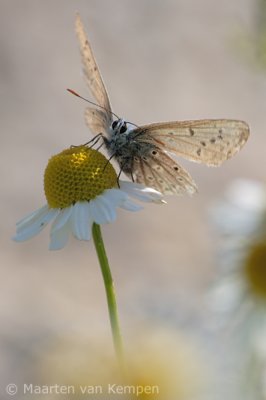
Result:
x=237 y=299
x=240 y=220
x=243 y=209
x=160 y=365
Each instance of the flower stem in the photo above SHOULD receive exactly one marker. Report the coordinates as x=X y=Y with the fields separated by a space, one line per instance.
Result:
x=110 y=292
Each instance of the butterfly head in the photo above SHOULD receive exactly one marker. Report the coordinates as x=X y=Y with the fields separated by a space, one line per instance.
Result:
x=119 y=126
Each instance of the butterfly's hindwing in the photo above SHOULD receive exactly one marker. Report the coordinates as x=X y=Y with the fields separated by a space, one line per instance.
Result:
x=158 y=170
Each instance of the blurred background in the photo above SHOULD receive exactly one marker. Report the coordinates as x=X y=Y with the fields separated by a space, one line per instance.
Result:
x=160 y=60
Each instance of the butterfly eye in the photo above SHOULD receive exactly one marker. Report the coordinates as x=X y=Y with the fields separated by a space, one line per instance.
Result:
x=114 y=124
x=123 y=128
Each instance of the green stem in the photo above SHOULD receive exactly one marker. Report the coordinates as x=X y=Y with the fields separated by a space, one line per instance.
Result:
x=110 y=292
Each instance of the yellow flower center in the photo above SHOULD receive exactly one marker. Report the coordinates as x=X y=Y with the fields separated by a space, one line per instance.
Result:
x=77 y=174
x=255 y=269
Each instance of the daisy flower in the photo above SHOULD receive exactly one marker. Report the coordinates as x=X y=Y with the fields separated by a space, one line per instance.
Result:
x=82 y=192
x=240 y=220
x=81 y=188
x=236 y=301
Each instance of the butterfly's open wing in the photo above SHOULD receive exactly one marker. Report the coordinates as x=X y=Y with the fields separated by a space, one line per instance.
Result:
x=92 y=74
x=97 y=120
x=210 y=142
x=161 y=172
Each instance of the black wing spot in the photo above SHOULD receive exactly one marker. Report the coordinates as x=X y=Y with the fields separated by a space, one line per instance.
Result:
x=191 y=132
x=176 y=168
x=212 y=140
x=220 y=136
x=144 y=158
x=203 y=143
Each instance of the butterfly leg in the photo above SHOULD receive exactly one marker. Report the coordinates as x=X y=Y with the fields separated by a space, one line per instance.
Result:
x=98 y=148
x=122 y=170
x=95 y=140
x=109 y=159
x=118 y=176
x=132 y=177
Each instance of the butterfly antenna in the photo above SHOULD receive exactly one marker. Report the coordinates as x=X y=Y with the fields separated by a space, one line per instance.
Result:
x=132 y=123
x=91 y=102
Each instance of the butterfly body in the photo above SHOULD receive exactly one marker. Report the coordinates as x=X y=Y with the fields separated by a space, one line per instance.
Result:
x=118 y=136
x=143 y=153
x=126 y=146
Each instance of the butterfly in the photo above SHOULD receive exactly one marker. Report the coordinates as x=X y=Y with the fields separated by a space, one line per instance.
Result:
x=143 y=152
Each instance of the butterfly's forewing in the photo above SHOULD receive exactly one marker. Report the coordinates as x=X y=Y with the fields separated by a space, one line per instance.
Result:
x=92 y=75
x=210 y=142
x=97 y=120
x=161 y=172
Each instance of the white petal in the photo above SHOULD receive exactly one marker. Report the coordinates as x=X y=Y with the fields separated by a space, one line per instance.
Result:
x=81 y=221
x=31 y=217
x=102 y=211
x=116 y=196
x=61 y=219
x=131 y=206
x=96 y=212
x=121 y=199
x=227 y=296
x=59 y=238
x=141 y=192
x=109 y=207
x=247 y=194
x=36 y=224
x=232 y=220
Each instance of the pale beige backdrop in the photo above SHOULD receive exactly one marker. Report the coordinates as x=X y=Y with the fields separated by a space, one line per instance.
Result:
x=161 y=60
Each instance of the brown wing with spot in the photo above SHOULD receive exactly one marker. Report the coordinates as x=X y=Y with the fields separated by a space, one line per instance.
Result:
x=159 y=171
x=210 y=142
